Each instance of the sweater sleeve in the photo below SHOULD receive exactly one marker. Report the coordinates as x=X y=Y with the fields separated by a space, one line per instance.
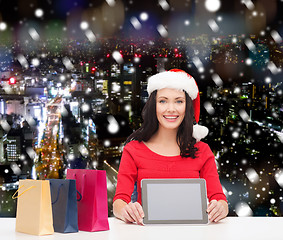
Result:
x=210 y=174
x=127 y=176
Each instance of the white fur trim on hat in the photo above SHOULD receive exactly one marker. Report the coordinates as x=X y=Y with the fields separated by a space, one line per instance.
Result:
x=175 y=80
x=199 y=132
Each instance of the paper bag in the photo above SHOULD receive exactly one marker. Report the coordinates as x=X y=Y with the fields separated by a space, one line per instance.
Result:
x=64 y=205
x=34 y=211
x=93 y=206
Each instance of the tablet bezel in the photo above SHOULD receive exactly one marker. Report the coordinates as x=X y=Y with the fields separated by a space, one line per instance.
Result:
x=203 y=197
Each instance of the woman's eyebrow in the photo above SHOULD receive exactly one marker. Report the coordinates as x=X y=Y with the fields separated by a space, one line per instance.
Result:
x=167 y=97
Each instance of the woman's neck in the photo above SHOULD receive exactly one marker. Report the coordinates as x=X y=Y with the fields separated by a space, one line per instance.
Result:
x=164 y=143
x=165 y=136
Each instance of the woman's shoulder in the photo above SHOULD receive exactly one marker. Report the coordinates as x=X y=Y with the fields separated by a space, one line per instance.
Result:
x=134 y=144
x=202 y=145
x=203 y=149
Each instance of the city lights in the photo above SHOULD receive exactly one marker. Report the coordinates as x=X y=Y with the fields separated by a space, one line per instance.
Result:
x=73 y=86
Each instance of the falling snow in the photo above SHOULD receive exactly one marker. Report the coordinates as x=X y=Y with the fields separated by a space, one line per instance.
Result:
x=212 y=5
x=248 y=145
x=164 y=4
x=162 y=31
x=113 y=126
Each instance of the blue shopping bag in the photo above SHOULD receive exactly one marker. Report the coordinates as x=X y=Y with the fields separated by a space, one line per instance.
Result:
x=64 y=205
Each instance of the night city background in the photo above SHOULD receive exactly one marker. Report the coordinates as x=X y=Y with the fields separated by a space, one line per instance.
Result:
x=73 y=76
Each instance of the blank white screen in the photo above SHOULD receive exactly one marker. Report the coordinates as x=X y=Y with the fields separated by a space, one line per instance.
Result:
x=174 y=202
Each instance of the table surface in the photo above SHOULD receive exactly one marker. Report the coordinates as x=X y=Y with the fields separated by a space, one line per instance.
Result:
x=251 y=228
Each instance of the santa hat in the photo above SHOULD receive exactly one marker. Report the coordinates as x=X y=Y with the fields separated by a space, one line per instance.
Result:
x=180 y=80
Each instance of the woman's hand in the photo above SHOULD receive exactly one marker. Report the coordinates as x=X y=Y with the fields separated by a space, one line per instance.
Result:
x=129 y=213
x=133 y=212
x=217 y=210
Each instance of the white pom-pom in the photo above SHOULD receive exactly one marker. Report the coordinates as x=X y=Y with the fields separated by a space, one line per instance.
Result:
x=199 y=132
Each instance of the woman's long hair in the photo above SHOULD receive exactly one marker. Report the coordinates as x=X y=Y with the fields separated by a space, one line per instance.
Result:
x=150 y=126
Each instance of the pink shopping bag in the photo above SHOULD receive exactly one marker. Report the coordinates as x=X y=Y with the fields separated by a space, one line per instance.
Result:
x=93 y=206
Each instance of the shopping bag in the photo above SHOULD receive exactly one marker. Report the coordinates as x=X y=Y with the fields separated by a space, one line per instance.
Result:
x=93 y=206
x=64 y=205
x=34 y=211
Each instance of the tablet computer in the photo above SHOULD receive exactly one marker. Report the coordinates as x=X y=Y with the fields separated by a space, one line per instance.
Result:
x=179 y=201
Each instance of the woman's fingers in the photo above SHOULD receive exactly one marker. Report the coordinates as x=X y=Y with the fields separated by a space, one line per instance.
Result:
x=126 y=216
x=216 y=211
x=134 y=213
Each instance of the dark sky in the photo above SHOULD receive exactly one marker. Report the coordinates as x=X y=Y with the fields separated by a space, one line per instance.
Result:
x=14 y=10
x=237 y=18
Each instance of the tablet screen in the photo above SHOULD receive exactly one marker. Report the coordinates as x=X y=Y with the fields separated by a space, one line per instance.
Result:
x=174 y=200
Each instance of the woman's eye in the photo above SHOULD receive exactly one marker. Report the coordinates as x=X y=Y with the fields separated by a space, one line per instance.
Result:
x=162 y=101
x=179 y=101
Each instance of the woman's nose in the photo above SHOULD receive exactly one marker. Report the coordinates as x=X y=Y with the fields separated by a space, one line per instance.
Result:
x=171 y=107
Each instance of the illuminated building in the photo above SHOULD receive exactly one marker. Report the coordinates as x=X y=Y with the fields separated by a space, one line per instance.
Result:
x=12 y=146
x=2 y=139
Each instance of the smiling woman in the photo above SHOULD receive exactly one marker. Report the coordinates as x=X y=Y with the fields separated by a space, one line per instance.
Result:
x=168 y=146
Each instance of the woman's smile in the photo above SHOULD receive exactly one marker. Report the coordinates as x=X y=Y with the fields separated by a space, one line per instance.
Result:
x=171 y=118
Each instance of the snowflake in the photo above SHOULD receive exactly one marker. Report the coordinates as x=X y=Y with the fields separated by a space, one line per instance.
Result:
x=71 y=157
x=275 y=35
x=107 y=143
x=164 y=4
x=249 y=4
x=83 y=150
x=30 y=152
x=85 y=107
x=272 y=67
x=212 y=5
x=111 y=3
x=279 y=177
x=118 y=57
x=249 y=61
x=67 y=63
x=197 y=62
x=218 y=81
x=267 y=80
x=250 y=45
x=35 y=62
x=242 y=209
x=23 y=61
x=15 y=168
x=136 y=23
x=39 y=13
x=90 y=35
x=209 y=108
x=235 y=134
x=113 y=126
x=244 y=115
x=5 y=125
x=34 y=34
x=144 y=16
x=213 y=25
x=252 y=175
x=84 y=25
x=162 y=31
x=187 y=22
x=3 y=26
x=272 y=201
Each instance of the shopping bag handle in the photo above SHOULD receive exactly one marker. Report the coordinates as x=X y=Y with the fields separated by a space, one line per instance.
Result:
x=79 y=195
x=83 y=184
x=58 y=192
x=13 y=197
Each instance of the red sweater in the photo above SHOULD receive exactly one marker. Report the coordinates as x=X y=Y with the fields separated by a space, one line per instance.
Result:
x=139 y=162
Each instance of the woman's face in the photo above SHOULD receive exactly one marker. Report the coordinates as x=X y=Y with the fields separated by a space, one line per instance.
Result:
x=170 y=107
